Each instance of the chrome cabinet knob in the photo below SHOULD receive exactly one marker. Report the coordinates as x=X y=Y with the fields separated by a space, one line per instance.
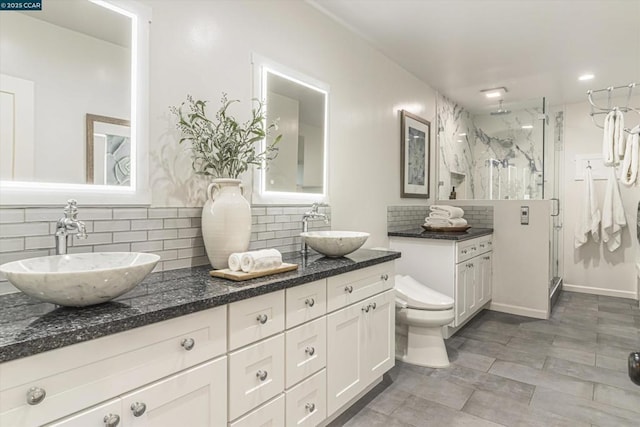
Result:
x=482 y=245
x=373 y=305
x=366 y=308
x=310 y=407
x=111 y=420
x=310 y=351
x=188 y=344
x=262 y=375
x=262 y=318
x=138 y=409
x=35 y=395
x=348 y=289
x=384 y=277
x=464 y=251
x=310 y=302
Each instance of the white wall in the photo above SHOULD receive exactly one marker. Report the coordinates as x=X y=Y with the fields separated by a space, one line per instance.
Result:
x=97 y=82
x=520 y=255
x=592 y=268
x=204 y=48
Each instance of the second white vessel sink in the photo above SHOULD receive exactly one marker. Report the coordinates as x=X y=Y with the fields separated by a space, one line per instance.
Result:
x=78 y=280
x=335 y=243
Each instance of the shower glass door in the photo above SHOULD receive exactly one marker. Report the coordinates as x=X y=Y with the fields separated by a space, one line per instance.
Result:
x=553 y=177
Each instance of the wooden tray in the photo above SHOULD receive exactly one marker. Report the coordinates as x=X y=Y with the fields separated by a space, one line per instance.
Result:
x=462 y=228
x=239 y=276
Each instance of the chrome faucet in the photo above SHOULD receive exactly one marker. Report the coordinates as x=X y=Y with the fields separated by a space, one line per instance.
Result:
x=312 y=214
x=68 y=225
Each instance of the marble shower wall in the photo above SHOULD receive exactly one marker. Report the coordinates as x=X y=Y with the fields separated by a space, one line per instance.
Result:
x=489 y=156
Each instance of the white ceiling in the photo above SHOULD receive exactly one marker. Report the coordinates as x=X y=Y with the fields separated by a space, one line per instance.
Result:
x=535 y=48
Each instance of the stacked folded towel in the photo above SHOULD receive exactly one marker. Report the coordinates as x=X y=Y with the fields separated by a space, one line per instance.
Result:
x=265 y=259
x=445 y=216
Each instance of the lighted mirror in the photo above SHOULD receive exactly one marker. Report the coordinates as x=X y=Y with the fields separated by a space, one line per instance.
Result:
x=73 y=103
x=298 y=104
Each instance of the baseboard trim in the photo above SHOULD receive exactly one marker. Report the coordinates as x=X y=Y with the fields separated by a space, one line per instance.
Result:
x=600 y=291
x=520 y=311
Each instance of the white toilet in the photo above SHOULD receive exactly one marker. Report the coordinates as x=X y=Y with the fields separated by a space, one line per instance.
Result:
x=421 y=313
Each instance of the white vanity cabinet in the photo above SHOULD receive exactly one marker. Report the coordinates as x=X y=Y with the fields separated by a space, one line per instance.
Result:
x=188 y=350
x=360 y=336
x=291 y=357
x=459 y=269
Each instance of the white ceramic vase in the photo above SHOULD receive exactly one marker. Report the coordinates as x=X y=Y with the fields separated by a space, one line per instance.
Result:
x=226 y=221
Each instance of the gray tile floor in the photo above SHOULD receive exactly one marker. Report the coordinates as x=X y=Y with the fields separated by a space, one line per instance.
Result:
x=509 y=370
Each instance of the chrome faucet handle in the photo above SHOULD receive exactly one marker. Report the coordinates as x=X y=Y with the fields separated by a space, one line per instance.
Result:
x=71 y=209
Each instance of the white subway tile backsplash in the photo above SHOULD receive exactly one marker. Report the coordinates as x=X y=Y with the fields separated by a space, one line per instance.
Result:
x=173 y=233
x=11 y=215
x=146 y=224
x=123 y=225
x=163 y=213
x=129 y=236
x=11 y=245
x=162 y=234
x=24 y=229
x=177 y=223
x=130 y=213
x=148 y=246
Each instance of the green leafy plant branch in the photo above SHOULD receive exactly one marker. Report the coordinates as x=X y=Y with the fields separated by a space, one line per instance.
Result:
x=224 y=148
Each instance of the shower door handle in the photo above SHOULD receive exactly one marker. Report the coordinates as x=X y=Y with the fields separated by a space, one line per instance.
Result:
x=634 y=367
x=556 y=205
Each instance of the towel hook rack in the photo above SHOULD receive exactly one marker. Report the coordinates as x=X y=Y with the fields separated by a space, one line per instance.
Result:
x=596 y=110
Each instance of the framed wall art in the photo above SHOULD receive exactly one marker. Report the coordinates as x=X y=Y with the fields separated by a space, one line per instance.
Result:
x=415 y=156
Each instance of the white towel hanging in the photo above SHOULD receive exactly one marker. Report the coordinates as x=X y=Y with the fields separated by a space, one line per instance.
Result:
x=590 y=214
x=629 y=167
x=613 y=218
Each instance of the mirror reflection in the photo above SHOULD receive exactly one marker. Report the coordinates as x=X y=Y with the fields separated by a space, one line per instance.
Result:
x=58 y=65
x=300 y=111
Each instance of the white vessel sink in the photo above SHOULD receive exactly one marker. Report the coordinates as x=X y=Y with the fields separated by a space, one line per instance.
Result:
x=335 y=243
x=78 y=280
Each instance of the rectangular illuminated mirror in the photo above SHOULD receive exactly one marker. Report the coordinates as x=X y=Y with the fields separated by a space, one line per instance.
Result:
x=95 y=57
x=299 y=105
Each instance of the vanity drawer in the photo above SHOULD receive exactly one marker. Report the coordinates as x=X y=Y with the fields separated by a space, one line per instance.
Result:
x=306 y=350
x=271 y=414
x=307 y=402
x=91 y=372
x=306 y=302
x=467 y=250
x=357 y=285
x=256 y=374
x=256 y=318
x=485 y=244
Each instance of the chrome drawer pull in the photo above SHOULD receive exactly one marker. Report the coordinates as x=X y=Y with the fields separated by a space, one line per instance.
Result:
x=35 y=395
x=262 y=375
x=262 y=318
x=384 y=277
x=366 y=308
x=310 y=407
x=138 y=409
x=348 y=289
x=373 y=305
x=310 y=302
x=111 y=420
x=188 y=344
x=310 y=351
x=482 y=245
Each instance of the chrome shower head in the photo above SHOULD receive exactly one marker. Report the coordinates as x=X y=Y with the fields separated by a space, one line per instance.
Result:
x=500 y=111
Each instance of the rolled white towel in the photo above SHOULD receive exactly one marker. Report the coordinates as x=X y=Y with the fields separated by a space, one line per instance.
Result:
x=261 y=260
x=444 y=222
x=445 y=211
x=629 y=169
x=235 y=261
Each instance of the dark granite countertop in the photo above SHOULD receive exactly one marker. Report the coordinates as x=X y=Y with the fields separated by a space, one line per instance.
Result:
x=28 y=326
x=459 y=236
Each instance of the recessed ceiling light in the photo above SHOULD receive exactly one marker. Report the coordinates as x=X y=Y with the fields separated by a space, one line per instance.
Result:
x=585 y=77
x=462 y=134
x=527 y=126
x=493 y=94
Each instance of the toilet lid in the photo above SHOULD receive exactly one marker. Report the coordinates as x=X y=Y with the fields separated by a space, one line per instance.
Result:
x=419 y=296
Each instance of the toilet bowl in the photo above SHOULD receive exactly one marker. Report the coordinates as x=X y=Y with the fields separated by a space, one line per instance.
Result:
x=421 y=313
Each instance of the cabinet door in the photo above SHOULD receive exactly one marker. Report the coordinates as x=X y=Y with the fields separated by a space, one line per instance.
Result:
x=486 y=276
x=306 y=351
x=378 y=334
x=306 y=403
x=460 y=294
x=196 y=397
x=94 y=417
x=344 y=356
